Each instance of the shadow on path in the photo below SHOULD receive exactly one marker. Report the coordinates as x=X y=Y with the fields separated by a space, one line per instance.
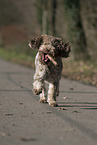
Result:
x=82 y=105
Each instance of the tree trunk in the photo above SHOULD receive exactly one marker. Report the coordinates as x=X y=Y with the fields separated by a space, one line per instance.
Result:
x=45 y=17
x=75 y=29
x=54 y=6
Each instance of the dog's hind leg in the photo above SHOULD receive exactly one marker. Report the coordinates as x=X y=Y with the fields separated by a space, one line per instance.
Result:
x=52 y=95
x=43 y=97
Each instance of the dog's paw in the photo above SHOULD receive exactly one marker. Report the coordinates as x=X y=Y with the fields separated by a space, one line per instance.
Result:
x=37 y=91
x=43 y=101
x=53 y=104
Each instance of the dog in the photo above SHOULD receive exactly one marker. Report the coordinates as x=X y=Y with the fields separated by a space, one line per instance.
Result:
x=48 y=66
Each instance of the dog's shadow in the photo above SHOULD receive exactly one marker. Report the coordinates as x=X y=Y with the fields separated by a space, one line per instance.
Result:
x=82 y=105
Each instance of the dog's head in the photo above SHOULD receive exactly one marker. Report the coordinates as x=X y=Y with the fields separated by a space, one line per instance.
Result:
x=49 y=45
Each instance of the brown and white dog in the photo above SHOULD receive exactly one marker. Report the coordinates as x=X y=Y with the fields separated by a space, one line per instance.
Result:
x=48 y=66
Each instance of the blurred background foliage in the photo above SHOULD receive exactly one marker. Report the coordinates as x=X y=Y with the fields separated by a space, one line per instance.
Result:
x=73 y=20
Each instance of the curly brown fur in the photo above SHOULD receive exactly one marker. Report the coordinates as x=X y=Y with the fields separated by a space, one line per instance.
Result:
x=48 y=64
x=51 y=45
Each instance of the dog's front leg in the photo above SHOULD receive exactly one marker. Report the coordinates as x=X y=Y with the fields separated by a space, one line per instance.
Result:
x=37 y=87
x=52 y=95
x=39 y=79
x=37 y=84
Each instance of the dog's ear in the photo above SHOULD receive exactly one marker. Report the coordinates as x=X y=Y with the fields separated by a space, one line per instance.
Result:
x=36 y=42
x=62 y=49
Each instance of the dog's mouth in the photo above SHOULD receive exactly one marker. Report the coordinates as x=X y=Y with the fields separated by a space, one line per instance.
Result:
x=45 y=58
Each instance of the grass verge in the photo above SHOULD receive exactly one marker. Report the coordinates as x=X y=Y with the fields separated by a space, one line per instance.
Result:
x=81 y=71
x=21 y=58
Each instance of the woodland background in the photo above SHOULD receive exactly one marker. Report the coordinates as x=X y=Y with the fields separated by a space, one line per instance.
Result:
x=73 y=20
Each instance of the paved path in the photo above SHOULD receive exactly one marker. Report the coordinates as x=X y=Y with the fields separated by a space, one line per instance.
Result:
x=24 y=121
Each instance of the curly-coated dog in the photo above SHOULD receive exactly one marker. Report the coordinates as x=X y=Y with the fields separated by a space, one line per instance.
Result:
x=48 y=63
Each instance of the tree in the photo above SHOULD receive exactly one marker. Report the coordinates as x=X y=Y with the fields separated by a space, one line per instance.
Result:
x=43 y=7
x=54 y=6
x=45 y=16
x=38 y=4
x=75 y=29
x=42 y=15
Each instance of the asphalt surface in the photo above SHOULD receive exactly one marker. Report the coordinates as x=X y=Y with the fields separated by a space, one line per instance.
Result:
x=25 y=121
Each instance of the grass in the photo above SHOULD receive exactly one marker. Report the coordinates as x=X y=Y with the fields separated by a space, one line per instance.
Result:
x=81 y=71
x=21 y=58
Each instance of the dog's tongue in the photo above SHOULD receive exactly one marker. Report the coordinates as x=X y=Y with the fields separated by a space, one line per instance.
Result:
x=45 y=57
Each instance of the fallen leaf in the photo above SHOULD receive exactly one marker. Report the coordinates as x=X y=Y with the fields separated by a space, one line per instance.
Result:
x=64 y=97
x=62 y=109
x=27 y=139
x=9 y=114
x=2 y=133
